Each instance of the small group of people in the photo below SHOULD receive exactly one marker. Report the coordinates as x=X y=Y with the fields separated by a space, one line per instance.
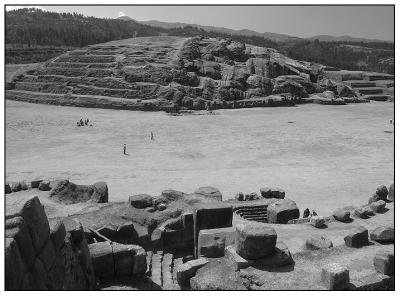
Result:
x=151 y=138
x=83 y=122
x=308 y=214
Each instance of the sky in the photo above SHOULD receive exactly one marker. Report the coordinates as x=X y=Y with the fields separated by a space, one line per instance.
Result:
x=373 y=22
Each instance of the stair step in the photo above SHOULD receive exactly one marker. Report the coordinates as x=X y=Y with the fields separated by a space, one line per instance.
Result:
x=360 y=83
x=369 y=90
x=156 y=269
x=166 y=268
x=148 y=259
x=381 y=98
x=254 y=215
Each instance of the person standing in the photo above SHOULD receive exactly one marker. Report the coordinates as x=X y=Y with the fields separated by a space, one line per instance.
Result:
x=151 y=136
x=124 y=149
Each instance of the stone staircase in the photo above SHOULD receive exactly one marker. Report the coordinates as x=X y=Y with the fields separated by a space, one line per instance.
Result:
x=161 y=269
x=370 y=89
x=256 y=213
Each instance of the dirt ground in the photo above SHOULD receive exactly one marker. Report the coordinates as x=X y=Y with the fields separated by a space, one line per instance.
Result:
x=329 y=157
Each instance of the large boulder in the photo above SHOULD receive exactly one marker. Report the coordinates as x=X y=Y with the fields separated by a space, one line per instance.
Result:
x=384 y=262
x=342 y=215
x=274 y=192
x=383 y=234
x=382 y=192
x=317 y=221
x=281 y=257
x=357 y=238
x=23 y=185
x=16 y=186
x=210 y=192
x=187 y=270
x=35 y=183
x=212 y=242
x=100 y=194
x=172 y=195
x=335 y=277
x=102 y=258
x=44 y=185
x=391 y=193
x=378 y=206
x=252 y=196
x=217 y=275
x=318 y=242
x=67 y=192
x=363 y=212
x=141 y=201
x=280 y=212
x=7 y=188
x=255 y=240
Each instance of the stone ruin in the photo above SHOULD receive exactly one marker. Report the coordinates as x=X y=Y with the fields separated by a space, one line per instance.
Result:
x=197 y=73
x=65 y=255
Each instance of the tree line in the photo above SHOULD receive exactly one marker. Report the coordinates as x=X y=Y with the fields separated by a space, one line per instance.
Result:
x=34 y=26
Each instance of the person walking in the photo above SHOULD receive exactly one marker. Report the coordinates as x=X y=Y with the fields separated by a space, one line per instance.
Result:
x=151 y=136
x=124 y=149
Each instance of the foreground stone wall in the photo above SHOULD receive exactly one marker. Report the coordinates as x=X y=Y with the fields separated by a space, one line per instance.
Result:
x=40 y=258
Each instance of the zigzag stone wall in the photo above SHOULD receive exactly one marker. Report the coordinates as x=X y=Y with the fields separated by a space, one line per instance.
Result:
x=41 y=258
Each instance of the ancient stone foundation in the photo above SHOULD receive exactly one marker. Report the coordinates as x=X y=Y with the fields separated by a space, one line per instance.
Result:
x=40 y=258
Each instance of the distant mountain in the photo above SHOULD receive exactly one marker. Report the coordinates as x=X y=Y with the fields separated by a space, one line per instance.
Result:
x=273 y=36
x=125 y=18
x=345 y=38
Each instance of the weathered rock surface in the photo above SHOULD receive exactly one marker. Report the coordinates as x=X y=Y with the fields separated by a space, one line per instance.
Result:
x=383 y=234
x=141 y=201
x=210 y=192
x=357 y=238
x=318 y=242
x=342 y=215
x=391 y=192
x=363 y=212
x=69 y=193
x=217 y=275
x=44 y=186
x=102 y=257
x=335 y=277
x=378 y=206
x=7 y=188
x=16 y=186
x=317 y=221
x=254 y=241
x=384 y=262
x=35 y=183
x=282 y=211
x=212 y=242
x=274 y=192
x=188 y=270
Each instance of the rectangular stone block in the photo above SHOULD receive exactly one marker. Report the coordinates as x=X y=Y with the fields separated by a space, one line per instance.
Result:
x=384 y=262
x=358 y=238
x=210 y=216
x=335 y=277
x=123 y=259
x=188 y=270
x=139 y=261
x=102 y=259
x=233 y=257
x=212 y=242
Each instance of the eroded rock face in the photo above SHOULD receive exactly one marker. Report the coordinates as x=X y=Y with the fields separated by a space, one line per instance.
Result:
x=254 y=241
x=44 y=186
x=280 y=212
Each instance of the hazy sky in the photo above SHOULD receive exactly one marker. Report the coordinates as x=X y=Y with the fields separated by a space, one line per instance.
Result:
x=375 y=22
